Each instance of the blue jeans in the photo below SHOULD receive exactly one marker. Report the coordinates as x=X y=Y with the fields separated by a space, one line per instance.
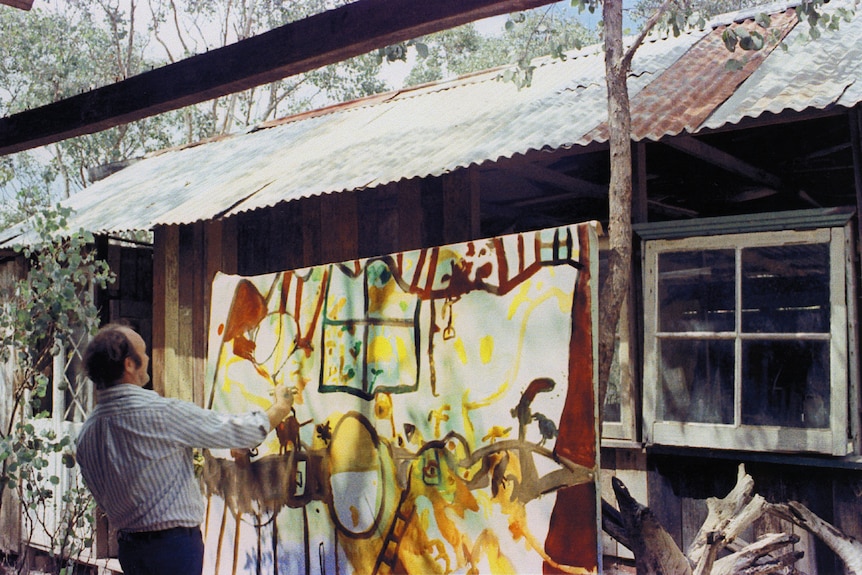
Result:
x=177 y=551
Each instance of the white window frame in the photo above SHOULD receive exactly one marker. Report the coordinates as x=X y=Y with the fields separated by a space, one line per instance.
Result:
x=737 y=436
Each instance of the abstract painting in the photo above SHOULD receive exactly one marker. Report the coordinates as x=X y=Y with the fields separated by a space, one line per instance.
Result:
x=444 y=420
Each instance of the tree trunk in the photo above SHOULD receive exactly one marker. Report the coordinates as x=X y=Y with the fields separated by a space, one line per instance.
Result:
x=615 y=286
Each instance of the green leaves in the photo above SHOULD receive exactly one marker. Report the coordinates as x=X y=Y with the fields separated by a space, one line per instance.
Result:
x=745 y=39
x=43 y=315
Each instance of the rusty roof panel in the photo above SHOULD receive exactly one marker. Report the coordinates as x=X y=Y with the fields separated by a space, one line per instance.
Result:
x=698 y=82
x=809 y=75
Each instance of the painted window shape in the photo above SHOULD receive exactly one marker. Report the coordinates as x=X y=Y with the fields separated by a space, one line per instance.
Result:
x=747 y=341
x=371 y=347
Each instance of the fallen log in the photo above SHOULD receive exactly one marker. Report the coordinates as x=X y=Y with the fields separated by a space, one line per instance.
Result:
x=847 y=548
x=726 y=519
x=759 y=558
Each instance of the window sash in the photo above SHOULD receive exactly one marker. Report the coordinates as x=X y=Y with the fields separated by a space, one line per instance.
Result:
x=833 y=440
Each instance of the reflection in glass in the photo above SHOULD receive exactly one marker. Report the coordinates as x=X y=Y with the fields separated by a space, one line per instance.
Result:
x=785 y=383
x=696 y=291
x=697 y=380
x=613 y=401
x=785 y=289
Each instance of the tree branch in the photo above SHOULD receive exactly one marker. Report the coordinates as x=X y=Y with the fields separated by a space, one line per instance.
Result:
x=650 y=24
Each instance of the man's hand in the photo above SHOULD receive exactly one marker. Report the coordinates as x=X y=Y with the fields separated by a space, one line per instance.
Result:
x=281 y=406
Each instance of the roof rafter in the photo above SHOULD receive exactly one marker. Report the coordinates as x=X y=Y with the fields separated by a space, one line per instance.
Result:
x=723 y=160
x=291 y=49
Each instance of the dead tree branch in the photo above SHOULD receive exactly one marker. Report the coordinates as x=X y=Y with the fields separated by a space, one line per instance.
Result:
x=846 y=547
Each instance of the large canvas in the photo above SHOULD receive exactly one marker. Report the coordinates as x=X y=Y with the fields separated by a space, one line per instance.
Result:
x=445 y=420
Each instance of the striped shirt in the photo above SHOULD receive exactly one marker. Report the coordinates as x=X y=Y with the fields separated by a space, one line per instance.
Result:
x=135 y=455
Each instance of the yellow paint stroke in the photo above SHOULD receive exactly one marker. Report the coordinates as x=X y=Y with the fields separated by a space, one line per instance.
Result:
x=438 y=416
x=488 y=544
x=486 y=348
x=459 y=349
x=335 y=308
x=401 y=348
x=564 y=300
x=497 y=432
x=380 y=350
x=467 y=406
x=228 y=384
x=419 y=554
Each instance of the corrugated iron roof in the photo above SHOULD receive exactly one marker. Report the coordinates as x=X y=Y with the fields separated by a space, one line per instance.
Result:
x=675 y=84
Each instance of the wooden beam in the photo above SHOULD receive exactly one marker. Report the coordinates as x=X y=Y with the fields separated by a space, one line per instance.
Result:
x=576 y=186
x=308 y=44
x=723 y=160
x=22 y=4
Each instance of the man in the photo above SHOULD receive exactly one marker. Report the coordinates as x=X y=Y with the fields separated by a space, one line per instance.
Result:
x=135 y=454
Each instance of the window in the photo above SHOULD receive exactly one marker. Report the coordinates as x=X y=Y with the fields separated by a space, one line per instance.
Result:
x=746 y=338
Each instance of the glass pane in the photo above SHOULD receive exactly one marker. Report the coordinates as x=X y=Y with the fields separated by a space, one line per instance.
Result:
x=786 y=383
x=785 y=289
x=696 y=381
x=696 y=291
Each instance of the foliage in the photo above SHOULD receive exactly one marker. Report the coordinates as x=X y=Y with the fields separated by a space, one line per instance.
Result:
x=56 y=51
x=680 y=16
x=192 y=27
x=548 y=31
x=62 y=48
x=44 y=315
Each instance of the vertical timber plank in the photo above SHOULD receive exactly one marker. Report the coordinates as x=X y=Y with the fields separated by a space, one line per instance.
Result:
x=639 y=183
x=291 y=248
x=160 y=248
x=694 y=513
x=170 y=381
x=339 y=227
x=631 y=470
x=610 y=547
x=410 y=215
x=388 y=225
x=200 y=313
x=460 y=206
x=185 y=314
x=229 y=253
x=663 y=501
x=377 y=221
x=847 y=504
x=311 y=231
x=368 y=218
